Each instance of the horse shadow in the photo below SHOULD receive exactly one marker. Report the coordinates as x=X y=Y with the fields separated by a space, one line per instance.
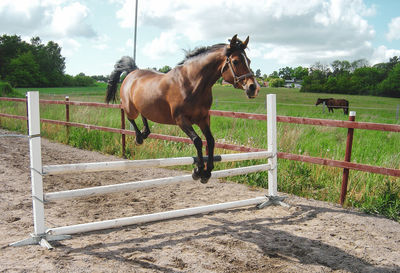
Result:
x=304 y=250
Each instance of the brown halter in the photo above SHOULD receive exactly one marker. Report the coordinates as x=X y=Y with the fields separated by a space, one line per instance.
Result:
x=237 y=79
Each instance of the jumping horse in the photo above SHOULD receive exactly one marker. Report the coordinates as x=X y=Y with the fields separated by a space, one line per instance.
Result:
x=332 y=103
x=183 y=96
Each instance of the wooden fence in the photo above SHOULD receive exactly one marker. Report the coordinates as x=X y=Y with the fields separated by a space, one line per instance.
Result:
x=345 y=164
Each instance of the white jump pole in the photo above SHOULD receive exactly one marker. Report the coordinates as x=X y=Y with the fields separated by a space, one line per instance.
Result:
x=130 y=186
x=140 y=219
x=146 y=163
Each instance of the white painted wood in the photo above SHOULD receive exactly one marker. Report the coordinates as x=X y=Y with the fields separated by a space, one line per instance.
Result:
x=148 y=183
x=42 y=235
x=153 y=217
x=146 y=163
x=36 y=162
x=272 y=144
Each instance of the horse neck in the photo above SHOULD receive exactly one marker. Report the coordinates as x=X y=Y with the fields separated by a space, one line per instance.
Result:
x=205 y=70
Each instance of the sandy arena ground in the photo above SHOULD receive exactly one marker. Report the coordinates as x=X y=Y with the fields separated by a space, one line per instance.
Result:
x=310 y=236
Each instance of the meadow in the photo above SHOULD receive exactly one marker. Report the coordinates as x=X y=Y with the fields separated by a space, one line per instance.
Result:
x=371 y=192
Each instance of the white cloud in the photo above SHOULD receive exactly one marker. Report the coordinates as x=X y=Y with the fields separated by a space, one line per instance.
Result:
x=383 y=54
x=394 y=29
x=70 y=20
x=162 y=46
x=47 y=19
x=283 y=30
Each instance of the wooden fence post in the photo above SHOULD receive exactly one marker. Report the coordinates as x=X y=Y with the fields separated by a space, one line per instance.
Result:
x=67 y=115
x=347 y=157
x=123 y=138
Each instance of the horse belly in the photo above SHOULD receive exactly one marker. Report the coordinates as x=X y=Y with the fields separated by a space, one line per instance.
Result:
x=153 y=106
x=159 y=112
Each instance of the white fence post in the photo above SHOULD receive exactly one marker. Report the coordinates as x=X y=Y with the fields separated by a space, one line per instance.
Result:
x=39 y=235
x=36 y=162
x=271 y=133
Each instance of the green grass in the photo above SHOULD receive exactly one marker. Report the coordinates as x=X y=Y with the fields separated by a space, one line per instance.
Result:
x=373 y=193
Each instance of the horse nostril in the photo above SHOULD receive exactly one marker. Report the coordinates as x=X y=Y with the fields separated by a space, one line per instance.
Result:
x=252 y=87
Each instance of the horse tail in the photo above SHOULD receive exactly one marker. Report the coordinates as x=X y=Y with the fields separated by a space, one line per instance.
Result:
x=125 y=64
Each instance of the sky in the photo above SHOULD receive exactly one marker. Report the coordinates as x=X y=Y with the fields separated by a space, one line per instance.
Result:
x=94 y=34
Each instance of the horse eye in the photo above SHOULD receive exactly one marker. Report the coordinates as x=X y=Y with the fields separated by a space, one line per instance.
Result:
x=235 y=62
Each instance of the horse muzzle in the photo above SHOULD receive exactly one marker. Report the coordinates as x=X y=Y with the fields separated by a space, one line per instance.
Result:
x=252 y=90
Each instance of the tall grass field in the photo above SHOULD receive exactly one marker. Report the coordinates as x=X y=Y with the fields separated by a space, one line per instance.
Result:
x=377 y=194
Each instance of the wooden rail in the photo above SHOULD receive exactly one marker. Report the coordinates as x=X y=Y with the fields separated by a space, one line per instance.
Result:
x=351 y=125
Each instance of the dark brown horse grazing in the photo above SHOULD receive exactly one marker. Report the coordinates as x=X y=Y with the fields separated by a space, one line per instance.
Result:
x=332 y=103
x=183 y=95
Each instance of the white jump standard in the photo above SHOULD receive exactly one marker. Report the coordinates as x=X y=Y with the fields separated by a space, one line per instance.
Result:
x=42 y=235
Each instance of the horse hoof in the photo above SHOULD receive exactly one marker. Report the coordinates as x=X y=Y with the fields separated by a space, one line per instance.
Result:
x=139 y=141
x=205 y=177
x=195 y=174
x=204 y=180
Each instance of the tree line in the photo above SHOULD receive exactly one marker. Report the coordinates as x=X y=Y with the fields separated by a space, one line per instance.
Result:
x=35 y=64
x=344 y=77
x=356 y=78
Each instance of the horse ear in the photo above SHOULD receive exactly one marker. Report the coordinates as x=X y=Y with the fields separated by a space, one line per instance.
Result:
x=246 y=41
x=233 y=41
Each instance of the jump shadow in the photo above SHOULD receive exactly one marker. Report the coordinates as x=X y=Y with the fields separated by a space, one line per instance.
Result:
x=263 y=232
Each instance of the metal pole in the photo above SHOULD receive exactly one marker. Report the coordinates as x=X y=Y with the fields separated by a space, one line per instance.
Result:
x=397 y=112
x=323 y=107
x=347 y=158
x=135 y=32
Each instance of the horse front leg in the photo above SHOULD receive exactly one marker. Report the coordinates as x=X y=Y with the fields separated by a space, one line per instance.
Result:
x=146 y=130
x=186 y=127
x=205 y=128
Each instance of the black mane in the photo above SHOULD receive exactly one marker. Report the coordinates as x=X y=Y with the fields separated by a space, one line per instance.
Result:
x=199 y=51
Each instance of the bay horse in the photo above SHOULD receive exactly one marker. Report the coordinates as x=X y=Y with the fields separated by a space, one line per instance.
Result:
x=332 y=103
x=183 y=96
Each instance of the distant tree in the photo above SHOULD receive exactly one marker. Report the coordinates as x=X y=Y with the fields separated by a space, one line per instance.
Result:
x=82 y=80
x=276 y=82
x=300 y=72
x=258 y=73
x=339 y=67
x=165 y=69
x=390 y=86
x=286 y=73
x=23 y=71
x=274 y=74
x=361 y=63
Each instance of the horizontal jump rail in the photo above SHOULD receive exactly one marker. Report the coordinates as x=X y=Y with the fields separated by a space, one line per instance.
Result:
x=129 y=186
x=145 y=163
x=146 y=218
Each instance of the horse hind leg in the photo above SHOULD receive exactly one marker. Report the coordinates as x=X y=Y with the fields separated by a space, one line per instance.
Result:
x=139 y=136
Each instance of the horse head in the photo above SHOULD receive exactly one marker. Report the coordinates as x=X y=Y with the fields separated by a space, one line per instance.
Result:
x=236 y=69
x=319 y=101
